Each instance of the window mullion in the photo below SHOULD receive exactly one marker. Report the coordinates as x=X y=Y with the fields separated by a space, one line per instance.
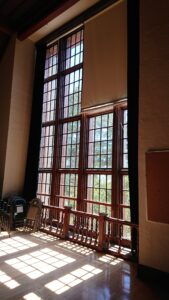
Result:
x=82 y=163
x=55 y=186
x=116 y=163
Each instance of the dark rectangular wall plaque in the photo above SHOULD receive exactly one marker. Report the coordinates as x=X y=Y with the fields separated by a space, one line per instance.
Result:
x=157 y=173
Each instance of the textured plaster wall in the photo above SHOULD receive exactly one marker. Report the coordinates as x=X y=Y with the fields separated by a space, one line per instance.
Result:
x=19 y=117
x=153 y=121
x=105 y=56
x=6 y=73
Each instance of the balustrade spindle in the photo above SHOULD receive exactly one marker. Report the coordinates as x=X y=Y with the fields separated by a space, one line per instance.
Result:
x=102 y=232
x=66 y=221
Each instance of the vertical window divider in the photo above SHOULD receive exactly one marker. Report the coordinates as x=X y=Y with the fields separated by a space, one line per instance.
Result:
x=55 y=185
x=119 y=162
x=82 y=162
x=115 y=169
x=114 y=163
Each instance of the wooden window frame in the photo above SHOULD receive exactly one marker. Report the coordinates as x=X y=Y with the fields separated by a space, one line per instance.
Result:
x=117 y=171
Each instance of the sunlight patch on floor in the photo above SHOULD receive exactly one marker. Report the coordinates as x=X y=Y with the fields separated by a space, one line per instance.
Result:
x=32 y=296
x=121 y=250
x=15 y=244
x=77 y=248
x=4 y=234
x=40 y=262
x=45 y=237
x=72 y=279
x=110 y=259
x=8 y=281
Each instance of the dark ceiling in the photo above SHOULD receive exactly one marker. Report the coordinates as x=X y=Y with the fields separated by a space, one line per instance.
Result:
x=26 y=16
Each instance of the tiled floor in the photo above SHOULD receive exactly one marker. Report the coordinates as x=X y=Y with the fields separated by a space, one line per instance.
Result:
x=38 y=266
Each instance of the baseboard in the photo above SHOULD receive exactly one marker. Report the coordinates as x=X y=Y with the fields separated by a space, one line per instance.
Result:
x=153 y=275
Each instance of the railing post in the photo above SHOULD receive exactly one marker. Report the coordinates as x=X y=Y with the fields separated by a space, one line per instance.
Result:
x=65 y=233
x=102 y=232
x=134 y=242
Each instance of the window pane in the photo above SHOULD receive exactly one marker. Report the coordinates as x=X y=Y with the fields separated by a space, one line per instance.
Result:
x=73 y=52
x=44 y=183
x=126 y=214
x=126 y=232
x=46 y=147
x=72 y=92
x=45 y=199
x=100 y=141
x=70 y=145
x=68 y=187
x=99 y=188
x=125 y=190
x=51 y=62
x=125 y=140
x=98 y=208
x=68 y=202
x=49 y=101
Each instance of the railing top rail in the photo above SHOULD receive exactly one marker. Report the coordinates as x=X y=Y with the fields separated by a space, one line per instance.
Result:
x=121 y=222
x=53 y=207
x=77 y=212
x=83 y=213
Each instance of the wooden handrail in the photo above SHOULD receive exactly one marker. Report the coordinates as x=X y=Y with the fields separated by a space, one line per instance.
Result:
x=121 y=221
x=53 y=207
x=82 y=213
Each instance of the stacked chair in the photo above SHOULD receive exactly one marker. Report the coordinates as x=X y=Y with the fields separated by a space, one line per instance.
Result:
x=12 y=213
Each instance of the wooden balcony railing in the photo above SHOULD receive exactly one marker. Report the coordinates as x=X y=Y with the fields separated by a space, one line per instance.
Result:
x=95 y=231
x=52 y=220
x=84 y=228
x=118 y=235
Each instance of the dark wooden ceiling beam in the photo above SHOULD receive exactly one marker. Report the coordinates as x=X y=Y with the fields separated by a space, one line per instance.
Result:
x=19 y=10
x=59 y=9
x=4 y=39
x=38 y=11
x=6 y=30
x=7 y=7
